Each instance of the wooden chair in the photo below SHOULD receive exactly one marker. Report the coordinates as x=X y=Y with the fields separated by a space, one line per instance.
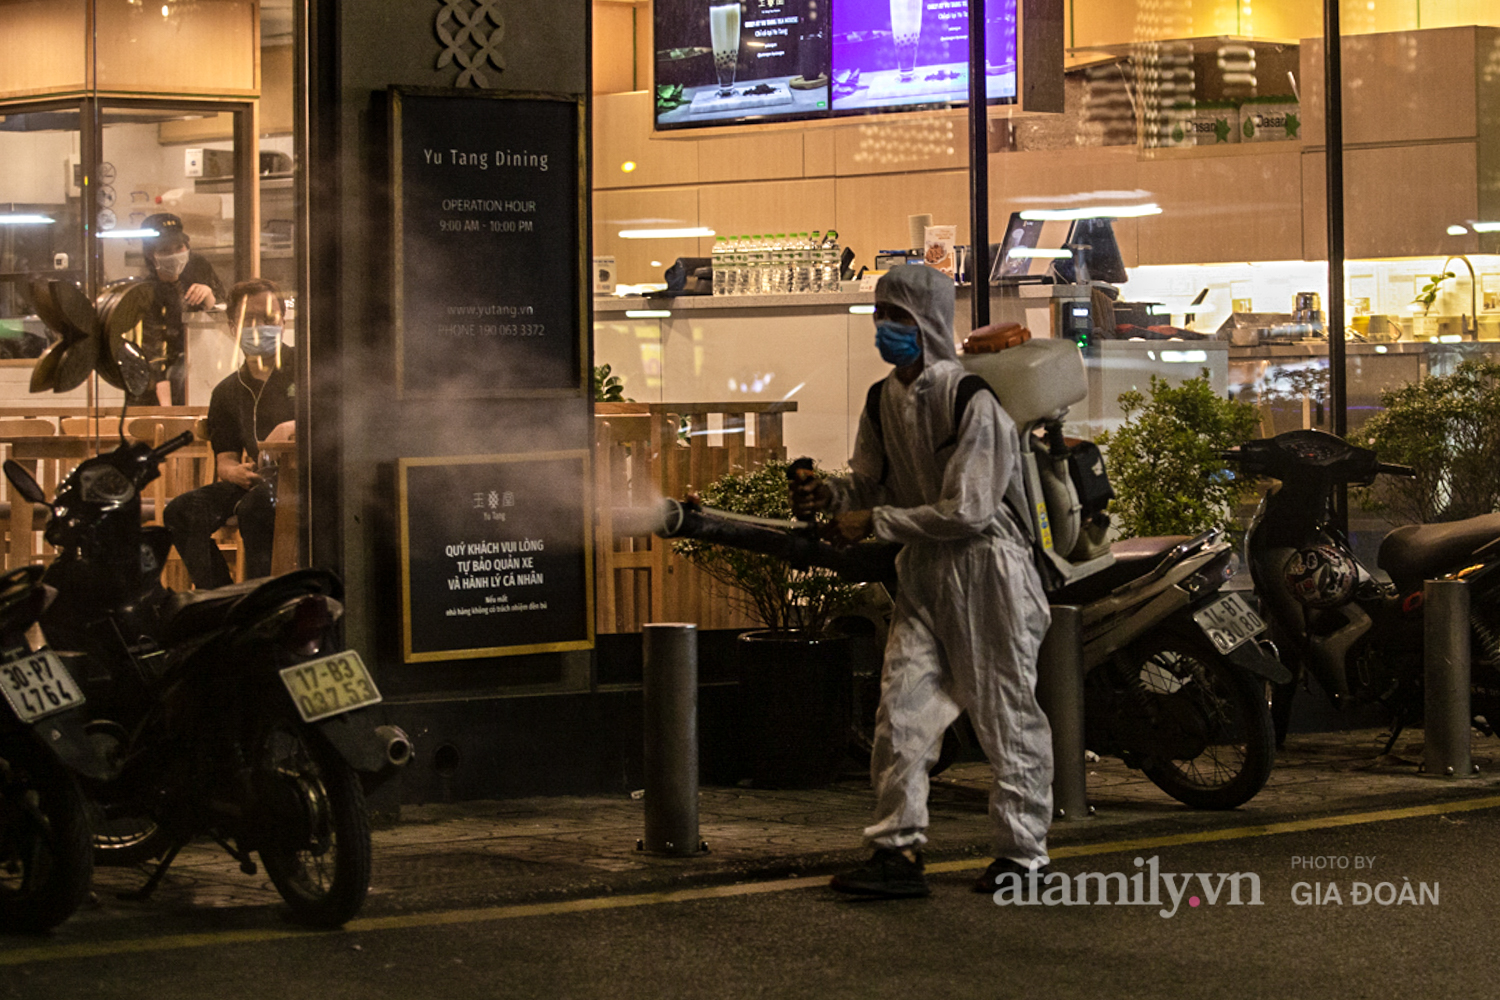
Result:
x=13 y=428
x=185 y=469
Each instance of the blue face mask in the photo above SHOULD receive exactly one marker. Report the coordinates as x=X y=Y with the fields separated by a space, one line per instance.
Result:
x=260 y=341
x=898 y=343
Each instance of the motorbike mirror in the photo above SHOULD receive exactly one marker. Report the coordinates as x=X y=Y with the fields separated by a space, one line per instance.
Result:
x=135 y=370
x=24 y=482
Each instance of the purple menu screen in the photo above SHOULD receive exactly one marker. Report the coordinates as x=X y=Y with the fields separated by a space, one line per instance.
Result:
x=897 y=53
x=723 y=61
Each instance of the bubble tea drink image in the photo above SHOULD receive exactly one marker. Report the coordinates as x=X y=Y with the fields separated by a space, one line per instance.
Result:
x=724 y=24
x=906 y=28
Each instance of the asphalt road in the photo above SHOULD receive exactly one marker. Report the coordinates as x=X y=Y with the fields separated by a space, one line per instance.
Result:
x=1425 y=928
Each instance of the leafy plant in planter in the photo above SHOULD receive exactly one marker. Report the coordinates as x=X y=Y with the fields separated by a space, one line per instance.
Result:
x=1164 y=460
x=796 y=675
x=1447 y=427
x=608 y=387
x=769 y=590
x=1429 y=293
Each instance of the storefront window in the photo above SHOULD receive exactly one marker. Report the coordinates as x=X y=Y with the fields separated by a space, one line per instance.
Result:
x=1197 y=129
x=174 y=140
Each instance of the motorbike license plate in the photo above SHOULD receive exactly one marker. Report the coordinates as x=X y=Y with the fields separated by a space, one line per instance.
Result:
x=38 y=686
x=330 y=686
x=1228 y=622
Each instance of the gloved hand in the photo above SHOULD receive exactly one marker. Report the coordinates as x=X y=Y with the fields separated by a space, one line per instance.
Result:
x=809 y=493
x=849 y=527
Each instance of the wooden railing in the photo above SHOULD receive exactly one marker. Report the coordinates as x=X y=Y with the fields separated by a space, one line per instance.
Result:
x=648 y=451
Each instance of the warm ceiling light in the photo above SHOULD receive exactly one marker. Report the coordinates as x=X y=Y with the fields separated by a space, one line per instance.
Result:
x=127 y=234
x=664 y=234
x=1101 y=212
x=627 y=167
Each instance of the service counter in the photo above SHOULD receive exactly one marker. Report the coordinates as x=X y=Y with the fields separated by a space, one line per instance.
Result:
x=818 y=350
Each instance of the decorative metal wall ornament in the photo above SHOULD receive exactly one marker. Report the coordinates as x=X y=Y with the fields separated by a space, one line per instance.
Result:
x=475 y=42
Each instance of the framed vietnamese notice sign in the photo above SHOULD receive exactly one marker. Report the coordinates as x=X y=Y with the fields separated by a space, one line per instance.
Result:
x=496 y=555
x=489 y=290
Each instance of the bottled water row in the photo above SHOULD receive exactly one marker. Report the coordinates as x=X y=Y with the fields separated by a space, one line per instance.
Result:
x=783 y=264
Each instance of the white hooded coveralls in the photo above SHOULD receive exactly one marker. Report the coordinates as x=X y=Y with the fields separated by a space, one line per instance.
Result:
x=970 y=612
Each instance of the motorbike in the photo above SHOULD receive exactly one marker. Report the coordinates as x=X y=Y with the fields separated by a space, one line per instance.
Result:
x=45 y=858
x=229 y=712
x=1358 y=632
x=1176 y=672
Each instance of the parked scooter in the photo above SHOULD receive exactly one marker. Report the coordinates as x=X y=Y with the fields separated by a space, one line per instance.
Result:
x=1175 y=671
x=1360 y=634
x=225 y=712
x=45 y=854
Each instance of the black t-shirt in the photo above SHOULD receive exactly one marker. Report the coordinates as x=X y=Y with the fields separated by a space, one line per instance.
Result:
x=242 y=411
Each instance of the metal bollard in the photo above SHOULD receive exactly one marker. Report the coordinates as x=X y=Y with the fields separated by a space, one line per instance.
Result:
x=671 y=739
x=1059 y=690
x=1445 y=651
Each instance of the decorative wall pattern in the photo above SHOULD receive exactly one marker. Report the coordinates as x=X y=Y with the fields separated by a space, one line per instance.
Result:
x=476 y=44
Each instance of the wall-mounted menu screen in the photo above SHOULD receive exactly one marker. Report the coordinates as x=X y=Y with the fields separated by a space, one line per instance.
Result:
x=725 y=62
x=719 y=62
x=894 y=54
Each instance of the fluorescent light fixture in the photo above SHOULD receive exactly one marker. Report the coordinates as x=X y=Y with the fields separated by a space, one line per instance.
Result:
x=1100 y=212
x=1458 y=230
x=1029 y=252
x=862 y=310
x=1450 y=338
x=1381 y=349
x=1485 y=227
x=665 y=234
x=26 y=220
x=1184 y=357
x=126 y=234
x=648 y=314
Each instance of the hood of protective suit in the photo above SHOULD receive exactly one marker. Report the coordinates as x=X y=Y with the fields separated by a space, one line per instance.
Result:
x=927 y=294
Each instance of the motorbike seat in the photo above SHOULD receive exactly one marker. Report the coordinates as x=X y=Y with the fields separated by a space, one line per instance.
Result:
x=1416 y=552
x=1134 y=558
x=191 y=612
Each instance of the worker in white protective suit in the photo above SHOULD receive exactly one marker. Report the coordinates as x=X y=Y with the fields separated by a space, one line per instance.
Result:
x=970 y=609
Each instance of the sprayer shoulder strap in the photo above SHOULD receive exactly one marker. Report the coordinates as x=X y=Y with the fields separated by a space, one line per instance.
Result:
x=968 y=387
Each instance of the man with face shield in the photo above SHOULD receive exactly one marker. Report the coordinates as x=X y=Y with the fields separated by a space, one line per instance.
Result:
x=255 y=404
x=970 y=609
x=184 y=282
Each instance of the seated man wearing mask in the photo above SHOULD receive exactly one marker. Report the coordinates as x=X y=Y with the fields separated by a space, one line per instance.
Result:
x=970 y=610
x=256 y=403
x=184 y=282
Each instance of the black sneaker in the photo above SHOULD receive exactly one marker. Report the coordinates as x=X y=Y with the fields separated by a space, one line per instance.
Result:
x=987 y=883
x=888 y=873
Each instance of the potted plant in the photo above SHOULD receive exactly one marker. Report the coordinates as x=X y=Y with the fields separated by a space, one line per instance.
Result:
x=795 y=671
x=1164 y=460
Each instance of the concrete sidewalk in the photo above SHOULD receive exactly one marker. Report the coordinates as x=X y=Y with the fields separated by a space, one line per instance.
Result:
x=487 y=853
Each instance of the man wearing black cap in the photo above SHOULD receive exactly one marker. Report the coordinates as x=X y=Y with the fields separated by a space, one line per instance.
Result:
x=185 y=282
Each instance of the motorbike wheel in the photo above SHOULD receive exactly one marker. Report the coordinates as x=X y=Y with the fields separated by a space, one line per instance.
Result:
x=316 y=840
x=1211 y=717
x=45 y=864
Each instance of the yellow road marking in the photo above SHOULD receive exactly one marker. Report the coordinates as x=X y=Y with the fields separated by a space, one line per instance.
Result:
x=95 y=949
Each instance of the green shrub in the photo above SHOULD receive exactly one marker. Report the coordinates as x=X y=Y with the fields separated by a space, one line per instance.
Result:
x=1447 y=427
x=767 y=589
x=608 y=387
x=1164 y=460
